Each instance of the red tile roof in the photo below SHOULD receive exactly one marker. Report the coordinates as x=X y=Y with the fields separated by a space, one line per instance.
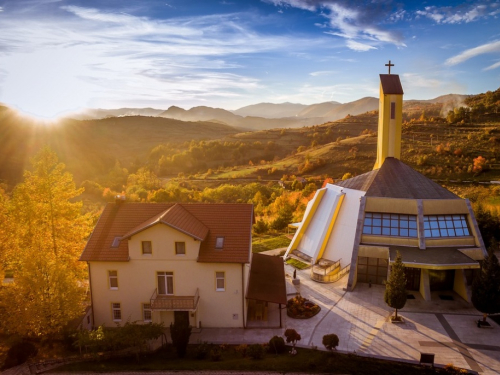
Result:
x=202 y=221
x=176 y=217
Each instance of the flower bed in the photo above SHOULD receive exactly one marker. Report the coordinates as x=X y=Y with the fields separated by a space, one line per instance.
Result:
x=301 y=308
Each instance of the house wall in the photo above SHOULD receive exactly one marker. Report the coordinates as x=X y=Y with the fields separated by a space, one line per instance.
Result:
x=137 y=281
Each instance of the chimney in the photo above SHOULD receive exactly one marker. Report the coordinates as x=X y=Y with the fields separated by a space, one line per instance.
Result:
x=120 y=198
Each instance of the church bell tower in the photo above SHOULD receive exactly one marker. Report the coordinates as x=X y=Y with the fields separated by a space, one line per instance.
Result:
x=390 y=117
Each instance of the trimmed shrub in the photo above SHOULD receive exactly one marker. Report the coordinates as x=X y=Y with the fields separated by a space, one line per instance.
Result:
x=256 y=351
x=19 y=353
x=331 y=341
x=277 y=345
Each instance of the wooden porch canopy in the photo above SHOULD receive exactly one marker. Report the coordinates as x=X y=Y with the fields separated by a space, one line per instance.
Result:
x=267 y=279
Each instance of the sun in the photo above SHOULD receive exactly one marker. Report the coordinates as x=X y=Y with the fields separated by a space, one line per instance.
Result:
x=44 y=118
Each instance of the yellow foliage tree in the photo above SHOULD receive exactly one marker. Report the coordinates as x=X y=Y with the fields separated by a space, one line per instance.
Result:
x=50 y=233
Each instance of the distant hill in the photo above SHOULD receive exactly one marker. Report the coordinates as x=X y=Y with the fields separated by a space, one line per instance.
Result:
x=318 y=110
x=353 y=108
x=454 y=98
x=92 y=147
x=90 y=114
x=271 y=110
x=203 y=113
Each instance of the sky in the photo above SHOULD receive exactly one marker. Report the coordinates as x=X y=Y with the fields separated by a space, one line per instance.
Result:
x=59 y=56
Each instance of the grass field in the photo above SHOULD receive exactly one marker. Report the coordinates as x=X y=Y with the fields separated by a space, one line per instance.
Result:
x=297 y=264
x=306 y=361
x=267 y=242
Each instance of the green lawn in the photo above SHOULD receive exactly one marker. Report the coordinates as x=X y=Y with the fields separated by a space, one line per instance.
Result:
x=297 y=264
x=307 y=361
x=263 y=243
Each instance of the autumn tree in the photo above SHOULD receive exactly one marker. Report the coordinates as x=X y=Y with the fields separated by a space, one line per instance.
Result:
x=479 y=164
x=395 y=288
x=7 y=240
x=50 y=233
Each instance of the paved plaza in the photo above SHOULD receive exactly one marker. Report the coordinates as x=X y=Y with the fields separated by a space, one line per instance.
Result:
x=361 y=320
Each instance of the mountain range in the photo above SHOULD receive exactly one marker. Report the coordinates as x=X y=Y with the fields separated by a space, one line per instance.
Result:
x=263 y=116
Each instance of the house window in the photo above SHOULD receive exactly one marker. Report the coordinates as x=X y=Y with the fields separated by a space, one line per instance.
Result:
x=146 y=312
x=165 y=282
x=180 y=248
x=113 y=279
x=445 y=226
x=390 y=225
x=116 y=242
x=147 y=248
x=116 y=311
x=219 y=242
x=220 y=281
x=393 y=110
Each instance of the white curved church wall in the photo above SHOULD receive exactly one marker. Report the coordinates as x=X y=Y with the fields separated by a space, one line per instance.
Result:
x=341 y=241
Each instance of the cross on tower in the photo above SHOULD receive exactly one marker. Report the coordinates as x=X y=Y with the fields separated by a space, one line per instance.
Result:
x=389 y=65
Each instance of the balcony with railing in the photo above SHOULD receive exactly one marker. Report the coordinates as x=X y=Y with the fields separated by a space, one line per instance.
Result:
x=167 y=302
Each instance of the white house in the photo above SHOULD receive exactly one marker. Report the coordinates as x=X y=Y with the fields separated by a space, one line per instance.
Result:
x=162 y=262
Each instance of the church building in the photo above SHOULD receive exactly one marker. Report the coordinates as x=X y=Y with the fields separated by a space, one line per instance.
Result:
x=357 y=226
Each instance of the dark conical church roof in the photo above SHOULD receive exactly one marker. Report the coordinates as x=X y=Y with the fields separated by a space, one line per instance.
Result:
x=395 y=179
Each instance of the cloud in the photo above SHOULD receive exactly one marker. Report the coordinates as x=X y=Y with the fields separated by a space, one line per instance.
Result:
x=301 y=4
x=359 y=47
x=416 y=80
x=397 y=16
x=494 y=66
x=473 y=52
x=456 y=15
x=322 y=73
x=110 y=56
x=352 y=21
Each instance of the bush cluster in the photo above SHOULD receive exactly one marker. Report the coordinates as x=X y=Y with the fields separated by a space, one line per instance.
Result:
x=277 y=345
x=256 y=351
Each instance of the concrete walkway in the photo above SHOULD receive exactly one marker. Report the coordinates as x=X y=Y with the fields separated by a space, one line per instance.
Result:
x=361 y=320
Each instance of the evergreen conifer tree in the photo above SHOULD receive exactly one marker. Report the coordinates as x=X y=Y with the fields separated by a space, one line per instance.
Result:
x=395 y=287
x=180 y=331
